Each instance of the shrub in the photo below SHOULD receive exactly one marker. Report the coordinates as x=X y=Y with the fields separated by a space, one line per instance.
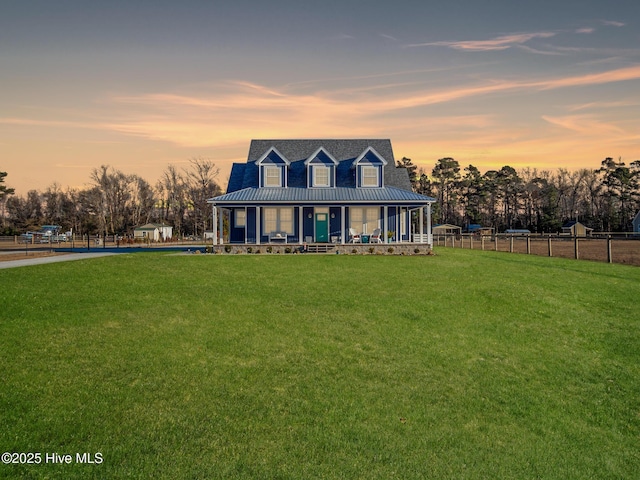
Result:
x=416 y=250
x=287 y=250
x=269 y=249
x=390 y=249
x=371 y=250
x=249 y=249
x=354 y=251
x=227 y=248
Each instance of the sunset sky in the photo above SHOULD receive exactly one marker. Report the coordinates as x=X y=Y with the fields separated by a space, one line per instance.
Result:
x=139 y=85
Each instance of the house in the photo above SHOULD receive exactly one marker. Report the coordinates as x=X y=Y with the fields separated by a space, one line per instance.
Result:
x=320 y=191
x=154 y=232
x=576 y=229
x=446 y=229
x=636 y=223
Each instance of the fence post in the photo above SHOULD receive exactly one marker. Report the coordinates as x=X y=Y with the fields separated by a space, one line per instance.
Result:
x=511 y=244
x=471 y=242
x=549 y=243
x=495 y=240
x=609 y=257
x=575 y=247
x=482 y=242
x=528 y=244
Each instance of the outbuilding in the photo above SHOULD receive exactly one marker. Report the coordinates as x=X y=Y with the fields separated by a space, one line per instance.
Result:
x=153 y=232
x=576 y=229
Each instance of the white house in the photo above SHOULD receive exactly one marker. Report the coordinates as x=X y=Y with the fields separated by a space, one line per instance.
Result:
x=154 y=232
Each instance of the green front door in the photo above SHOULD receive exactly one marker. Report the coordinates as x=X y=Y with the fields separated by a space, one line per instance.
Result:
x=322 y=227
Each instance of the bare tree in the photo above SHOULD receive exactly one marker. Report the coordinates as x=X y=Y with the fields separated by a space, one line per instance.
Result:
x=4 y=193
x=142 y=201
x=172 y=189
x=201 y=185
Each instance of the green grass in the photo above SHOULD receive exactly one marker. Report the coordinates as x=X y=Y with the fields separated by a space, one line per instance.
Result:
x=464 y=365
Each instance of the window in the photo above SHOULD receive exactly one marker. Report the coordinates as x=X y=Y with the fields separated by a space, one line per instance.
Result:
x=364 y=220
x=369 y=176
x=321 y=176
x=272 y=176
x=241 y=218
x=277 y=220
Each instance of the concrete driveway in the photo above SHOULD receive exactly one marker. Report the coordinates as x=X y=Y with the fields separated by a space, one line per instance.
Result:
x=58 y=258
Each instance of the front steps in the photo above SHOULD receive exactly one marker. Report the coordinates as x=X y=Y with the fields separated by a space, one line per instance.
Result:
x=320 y=248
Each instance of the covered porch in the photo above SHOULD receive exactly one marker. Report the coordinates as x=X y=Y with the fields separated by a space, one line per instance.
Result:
x=299 y=224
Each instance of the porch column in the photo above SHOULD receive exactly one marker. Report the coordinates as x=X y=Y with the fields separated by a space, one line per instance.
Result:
x=385 y=223
x=300 y=221
x=429 y=237
x=214 y=238
x=421 y=225
x=342 y=225
x=221 y=224
x=257 y=225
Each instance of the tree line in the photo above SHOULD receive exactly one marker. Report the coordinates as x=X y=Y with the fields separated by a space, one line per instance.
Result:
x=605 y=199
x=115 y=203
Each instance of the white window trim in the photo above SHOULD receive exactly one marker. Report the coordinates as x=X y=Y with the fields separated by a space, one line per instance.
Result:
x=241 y=218
x=267 y=177
x=278 y=220
x=316 y=169
x=369 y=168
x=367 y=215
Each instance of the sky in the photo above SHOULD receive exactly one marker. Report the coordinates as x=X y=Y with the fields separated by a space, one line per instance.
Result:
x=141 y=85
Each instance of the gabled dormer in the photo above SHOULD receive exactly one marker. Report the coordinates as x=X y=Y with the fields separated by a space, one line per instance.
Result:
x=369 y=167
x=273 y=169
x=321 y=169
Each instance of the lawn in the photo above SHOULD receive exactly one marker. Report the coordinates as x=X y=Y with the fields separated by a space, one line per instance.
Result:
x=466 y=364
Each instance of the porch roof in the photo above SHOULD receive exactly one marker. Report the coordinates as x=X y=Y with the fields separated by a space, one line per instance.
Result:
x=340 y=195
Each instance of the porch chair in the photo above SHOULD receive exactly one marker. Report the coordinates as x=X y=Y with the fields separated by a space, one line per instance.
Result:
x=376 y=236
x=354 y=237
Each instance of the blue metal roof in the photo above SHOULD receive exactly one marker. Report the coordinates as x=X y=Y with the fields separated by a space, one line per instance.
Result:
x=340 y=195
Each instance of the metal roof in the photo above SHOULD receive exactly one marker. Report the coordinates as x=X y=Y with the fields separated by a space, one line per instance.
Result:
x=340 y=195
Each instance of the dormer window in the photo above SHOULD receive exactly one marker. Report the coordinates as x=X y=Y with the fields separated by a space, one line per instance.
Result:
x=370 y=176
x=273 y=169
x=321 y=176
x=369 y=167
x=321 y=169
x=272 y=176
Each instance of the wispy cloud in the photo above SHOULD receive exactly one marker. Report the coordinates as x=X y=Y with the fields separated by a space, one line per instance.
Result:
x=228 y=114
x=388 y=37
x=241 y=107
x=498 y=43
x=604 y=105
x=30 y=122
x=537 y=51
x=585 y=30
x=343 y=36
x=613 y=23
x=584 y=124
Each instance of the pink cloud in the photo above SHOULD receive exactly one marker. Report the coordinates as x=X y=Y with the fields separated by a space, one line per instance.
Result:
x=499 y=43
